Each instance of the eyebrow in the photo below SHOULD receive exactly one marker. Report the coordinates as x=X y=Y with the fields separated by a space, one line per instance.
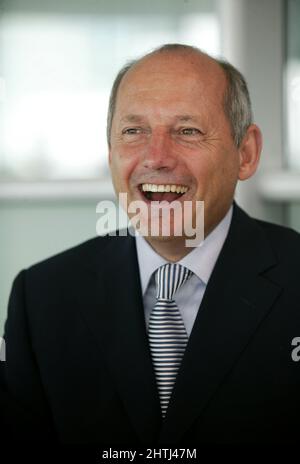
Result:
x=135 y=118
x=186 y=117
x=132 y=118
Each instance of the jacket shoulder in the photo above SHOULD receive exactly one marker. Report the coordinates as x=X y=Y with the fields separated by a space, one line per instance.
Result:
x=83 y=255
x=285 y=241
x=278 y=232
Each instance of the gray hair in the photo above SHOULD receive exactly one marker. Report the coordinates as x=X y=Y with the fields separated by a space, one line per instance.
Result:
x=236 y=102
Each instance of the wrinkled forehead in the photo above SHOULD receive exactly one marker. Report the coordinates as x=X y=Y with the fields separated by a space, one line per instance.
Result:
x=177 y=72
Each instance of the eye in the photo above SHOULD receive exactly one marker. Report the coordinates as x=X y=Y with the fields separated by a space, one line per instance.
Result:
x=132 y=130
x=190 y=131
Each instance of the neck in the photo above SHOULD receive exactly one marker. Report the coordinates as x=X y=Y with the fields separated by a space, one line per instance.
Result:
x=171 y=250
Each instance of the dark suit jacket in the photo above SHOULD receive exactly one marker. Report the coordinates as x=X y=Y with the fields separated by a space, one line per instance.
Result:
x=79 y=369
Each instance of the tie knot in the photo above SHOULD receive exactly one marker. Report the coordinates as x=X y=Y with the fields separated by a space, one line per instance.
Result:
x=169 y=278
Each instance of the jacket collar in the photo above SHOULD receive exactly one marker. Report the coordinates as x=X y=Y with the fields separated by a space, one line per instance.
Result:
x=238 y=296
x=116 y=318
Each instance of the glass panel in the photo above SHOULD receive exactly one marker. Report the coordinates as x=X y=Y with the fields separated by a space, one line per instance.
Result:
x=57 y=64
x=293 y=101
x=293 y=83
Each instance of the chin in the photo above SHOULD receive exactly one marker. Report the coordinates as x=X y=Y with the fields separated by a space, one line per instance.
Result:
x=163 y=236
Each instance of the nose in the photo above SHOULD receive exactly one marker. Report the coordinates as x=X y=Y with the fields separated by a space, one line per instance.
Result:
x=158 y=153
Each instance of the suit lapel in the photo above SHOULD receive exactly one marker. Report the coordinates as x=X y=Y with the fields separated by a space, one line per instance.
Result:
x=237 y=298
x=116 y=319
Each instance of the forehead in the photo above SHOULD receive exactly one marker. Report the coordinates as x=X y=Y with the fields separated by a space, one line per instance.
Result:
x=173 y=78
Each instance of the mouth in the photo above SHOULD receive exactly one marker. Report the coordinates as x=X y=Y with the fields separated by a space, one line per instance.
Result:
x=162 y=192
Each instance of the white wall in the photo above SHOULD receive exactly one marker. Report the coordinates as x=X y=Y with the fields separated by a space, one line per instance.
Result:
x=253 y=40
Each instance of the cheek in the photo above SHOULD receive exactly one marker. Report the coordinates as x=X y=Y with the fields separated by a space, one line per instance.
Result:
x=227 y=177
x=216 y=173
x=204 y=169
x=121 y=166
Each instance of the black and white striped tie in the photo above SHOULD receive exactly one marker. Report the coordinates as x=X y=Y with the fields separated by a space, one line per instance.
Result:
x=167 y=334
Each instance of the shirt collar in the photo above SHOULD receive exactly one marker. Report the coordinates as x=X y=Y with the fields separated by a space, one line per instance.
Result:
x=200 y=261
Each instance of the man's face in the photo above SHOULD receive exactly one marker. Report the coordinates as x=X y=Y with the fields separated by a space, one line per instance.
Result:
x=169 y=129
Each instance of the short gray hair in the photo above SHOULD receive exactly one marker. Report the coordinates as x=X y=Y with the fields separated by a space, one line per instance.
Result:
x=236 y=103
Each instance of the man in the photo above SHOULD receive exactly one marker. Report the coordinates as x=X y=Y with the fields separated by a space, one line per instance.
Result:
x=90 y=357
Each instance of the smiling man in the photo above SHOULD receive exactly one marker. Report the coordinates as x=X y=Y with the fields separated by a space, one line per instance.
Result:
x=170 y=138
x=143 y=340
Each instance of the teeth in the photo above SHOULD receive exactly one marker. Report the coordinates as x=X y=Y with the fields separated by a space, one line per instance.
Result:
x=164 y=188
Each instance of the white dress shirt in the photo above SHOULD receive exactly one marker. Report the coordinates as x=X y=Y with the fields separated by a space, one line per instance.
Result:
x=201 y=261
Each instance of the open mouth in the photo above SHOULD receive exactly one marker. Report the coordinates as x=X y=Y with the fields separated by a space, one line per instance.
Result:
x=162 y=192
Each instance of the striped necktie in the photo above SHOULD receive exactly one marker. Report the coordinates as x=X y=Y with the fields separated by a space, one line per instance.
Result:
x=167 y=334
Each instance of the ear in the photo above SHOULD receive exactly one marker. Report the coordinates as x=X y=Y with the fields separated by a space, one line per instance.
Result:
x=249 y=152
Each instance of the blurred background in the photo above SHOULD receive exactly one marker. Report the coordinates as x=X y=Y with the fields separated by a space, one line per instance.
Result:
x=58 y=59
